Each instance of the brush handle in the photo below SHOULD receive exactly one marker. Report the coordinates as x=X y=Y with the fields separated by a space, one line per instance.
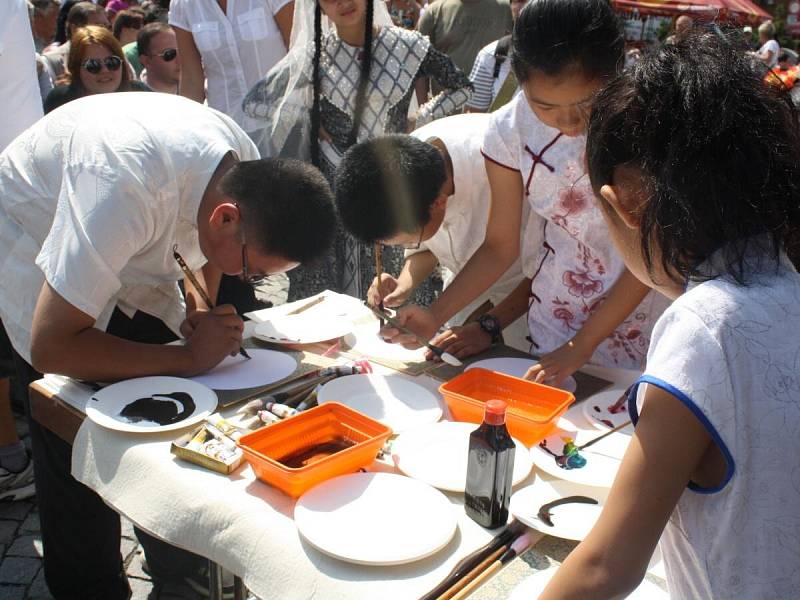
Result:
x=391 y=321
x=605 y=435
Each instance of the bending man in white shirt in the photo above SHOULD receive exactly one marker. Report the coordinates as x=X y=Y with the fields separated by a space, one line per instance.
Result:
x=429 y=193
x=90 y=213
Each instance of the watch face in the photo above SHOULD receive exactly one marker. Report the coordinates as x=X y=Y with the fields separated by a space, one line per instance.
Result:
x=490 y=325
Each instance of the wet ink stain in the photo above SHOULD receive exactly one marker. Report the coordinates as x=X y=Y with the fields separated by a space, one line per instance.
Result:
x=163 y=412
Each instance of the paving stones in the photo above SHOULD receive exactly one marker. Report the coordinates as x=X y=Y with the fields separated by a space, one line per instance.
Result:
x=27 y=545
x=12 y=592
x=16 y=511
x=15 y=569
x=7 y=531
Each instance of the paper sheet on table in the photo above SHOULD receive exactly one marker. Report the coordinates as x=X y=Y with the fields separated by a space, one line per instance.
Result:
x=237 y=372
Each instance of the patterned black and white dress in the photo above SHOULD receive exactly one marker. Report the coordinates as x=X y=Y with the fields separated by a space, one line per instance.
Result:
x=399 y=58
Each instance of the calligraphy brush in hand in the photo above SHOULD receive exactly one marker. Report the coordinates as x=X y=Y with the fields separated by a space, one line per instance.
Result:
x=445 y=356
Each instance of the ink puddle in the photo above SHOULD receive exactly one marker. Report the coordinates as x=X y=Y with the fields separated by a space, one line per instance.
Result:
x=160 y=409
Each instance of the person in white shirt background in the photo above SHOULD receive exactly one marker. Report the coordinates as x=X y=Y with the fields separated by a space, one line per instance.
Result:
x=23 y=107
x=770 y=49
x=226 y=46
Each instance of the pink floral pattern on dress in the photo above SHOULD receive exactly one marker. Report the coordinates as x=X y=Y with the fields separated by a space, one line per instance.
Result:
x=581 y=285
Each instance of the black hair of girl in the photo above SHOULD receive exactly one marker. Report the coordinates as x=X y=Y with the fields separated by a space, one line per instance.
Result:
x=553 y=35
x=61 y=21
x=363 y=81
x=718 y=151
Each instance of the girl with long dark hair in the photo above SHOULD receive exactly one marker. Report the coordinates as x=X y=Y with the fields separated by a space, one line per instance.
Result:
x=349 y=76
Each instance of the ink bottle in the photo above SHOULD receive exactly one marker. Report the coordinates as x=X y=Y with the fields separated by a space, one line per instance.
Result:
x=489 y=468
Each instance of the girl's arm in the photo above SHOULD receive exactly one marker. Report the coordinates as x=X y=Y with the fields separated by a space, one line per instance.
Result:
x=664 y=454
x=624 y=297
x=493 y=257
x=192 y=79
x=458 y=88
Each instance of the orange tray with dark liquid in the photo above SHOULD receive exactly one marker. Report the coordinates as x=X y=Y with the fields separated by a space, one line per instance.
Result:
x=329 y=424
x=533 y=408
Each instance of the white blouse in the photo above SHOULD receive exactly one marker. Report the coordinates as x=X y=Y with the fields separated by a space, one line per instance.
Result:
x=238 y=47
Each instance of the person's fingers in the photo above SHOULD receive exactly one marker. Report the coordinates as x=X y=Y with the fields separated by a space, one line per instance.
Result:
x=395 y=298
x=224 y=309
x=532 y=372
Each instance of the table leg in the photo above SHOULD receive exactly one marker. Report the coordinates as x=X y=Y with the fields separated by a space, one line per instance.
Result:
x=214 y=581
x=239 y=591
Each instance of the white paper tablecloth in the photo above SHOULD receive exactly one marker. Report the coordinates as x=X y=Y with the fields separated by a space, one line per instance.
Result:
x=241 y=523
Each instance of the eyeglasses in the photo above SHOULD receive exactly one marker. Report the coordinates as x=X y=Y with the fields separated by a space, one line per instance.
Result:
x=167 y=55
x=415 y=246
x=95 y=65
x=255 y=278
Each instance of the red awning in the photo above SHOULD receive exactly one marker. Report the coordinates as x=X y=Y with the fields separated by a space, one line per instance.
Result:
x=724 y=10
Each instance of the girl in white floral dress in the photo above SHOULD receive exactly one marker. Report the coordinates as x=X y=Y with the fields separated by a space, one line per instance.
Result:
x=583 y=305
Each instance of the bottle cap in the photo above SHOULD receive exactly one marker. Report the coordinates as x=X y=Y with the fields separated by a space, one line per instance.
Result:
x=495 y=412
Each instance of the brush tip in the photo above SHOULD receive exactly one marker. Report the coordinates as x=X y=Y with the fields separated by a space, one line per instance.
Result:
x=451 y=360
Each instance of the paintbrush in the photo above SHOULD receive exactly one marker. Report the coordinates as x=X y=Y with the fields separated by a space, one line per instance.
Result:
x=196 y=285
x=445 y=356
x=468 y=563
x=477 y=577
x=378 y=273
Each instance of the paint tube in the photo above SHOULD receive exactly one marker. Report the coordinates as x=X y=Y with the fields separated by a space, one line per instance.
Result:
x=280 y=410
x=217 y=450
x=224 y=426
x=225 y=440
x=196 y=443
x=267 y=417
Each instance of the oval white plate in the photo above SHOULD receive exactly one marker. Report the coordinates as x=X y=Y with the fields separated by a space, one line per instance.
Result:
x=393 y=400
x=105 y=405
x=366 y=341
x=239 y=373
x=570 y=521
x=375 y=519
x=437 y=454
x=595 y=409
x=602 y=459
x=517 y=367
x=301 y=329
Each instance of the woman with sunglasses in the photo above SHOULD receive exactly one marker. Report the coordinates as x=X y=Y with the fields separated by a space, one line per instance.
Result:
x=95 y=65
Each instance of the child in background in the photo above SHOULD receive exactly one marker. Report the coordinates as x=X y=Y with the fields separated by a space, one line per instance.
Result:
x=694 y=162
x=583 y=304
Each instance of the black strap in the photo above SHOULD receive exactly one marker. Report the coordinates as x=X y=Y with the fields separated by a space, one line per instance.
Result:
x=500 y=54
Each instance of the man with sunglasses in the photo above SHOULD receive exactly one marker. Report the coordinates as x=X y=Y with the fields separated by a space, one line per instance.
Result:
x=158 y=52
x=92 y=212
x=429 y=193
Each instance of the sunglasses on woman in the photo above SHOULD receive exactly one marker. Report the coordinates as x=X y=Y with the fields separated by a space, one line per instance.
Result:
x=95 y=65
x=167 y=55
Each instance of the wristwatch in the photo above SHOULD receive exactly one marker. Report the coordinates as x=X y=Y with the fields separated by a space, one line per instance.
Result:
x=491 y=325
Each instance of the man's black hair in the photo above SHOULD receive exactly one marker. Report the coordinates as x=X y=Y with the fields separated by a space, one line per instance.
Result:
x=287 y=207
x=718 y=149
x=387 y=185
x=554 y=35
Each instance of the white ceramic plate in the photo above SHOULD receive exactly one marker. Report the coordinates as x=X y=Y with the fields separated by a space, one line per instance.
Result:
x=570 y=521
x=533 y=586
x=517 y=367
x=394 y=400
x=437 y=454
x=596 y=410
x=105 y=406
x=375 y=519
x=602 y=459
x=238 y=373
x=302 y=329
x=366 y=341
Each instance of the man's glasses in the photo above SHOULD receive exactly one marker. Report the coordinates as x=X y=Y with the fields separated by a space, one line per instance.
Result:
x=167 y=55
x=95 y=65
x=415 y=246
x=255 y=278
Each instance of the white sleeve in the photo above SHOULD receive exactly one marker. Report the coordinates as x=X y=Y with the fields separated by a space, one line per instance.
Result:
x=501 y=140
x=687 y=361
x=178 y=16
x=102 y=219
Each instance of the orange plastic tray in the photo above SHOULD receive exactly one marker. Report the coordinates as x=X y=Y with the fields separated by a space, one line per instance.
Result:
x=265 y=448
x=533 y=408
